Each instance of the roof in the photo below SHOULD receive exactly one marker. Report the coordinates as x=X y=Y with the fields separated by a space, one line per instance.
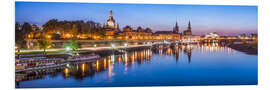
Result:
x=163 y=32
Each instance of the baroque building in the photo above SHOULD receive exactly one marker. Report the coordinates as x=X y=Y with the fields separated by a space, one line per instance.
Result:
x=113 y=32
x=110 y=27
x=129 y=33
x=168 y=35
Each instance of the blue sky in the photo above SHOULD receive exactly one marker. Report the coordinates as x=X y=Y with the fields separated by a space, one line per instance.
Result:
x=226 y=20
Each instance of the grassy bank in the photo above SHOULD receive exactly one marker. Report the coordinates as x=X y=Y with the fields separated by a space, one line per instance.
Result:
x=40 y=52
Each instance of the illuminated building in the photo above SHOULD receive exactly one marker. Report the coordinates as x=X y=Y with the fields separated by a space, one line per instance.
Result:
x=129 y=34
x=168 y=35
x=213 y=35
x=110 y=28
x=176 y=28
x=188 y=37
x=188 y=31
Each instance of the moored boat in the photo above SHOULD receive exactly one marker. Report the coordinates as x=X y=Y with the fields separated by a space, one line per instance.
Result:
x=31 y=63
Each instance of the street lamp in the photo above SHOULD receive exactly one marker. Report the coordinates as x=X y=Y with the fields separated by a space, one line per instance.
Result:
x=149 y=43
x=126 y=44
x=113 y=46
x=68 y=48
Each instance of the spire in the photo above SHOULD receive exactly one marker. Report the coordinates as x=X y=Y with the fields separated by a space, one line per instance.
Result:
x=111 y=13
x=176 y=28
x=117 y=27
x=176 y=22
x=189 y=25
x=111 y=17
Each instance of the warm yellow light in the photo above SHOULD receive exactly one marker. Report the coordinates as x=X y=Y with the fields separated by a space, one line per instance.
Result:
x=105 y=64
x=66 y=72
x=97 y=65
x=67 y=35
x=83 y=67
x=48 y=36
x=29 y=36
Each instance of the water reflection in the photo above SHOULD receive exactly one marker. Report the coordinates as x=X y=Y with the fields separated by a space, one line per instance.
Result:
x=106 y=64
x=179 y=50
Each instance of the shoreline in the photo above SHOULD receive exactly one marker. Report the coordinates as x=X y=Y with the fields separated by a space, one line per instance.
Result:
x=251 y=49
x=64 y=54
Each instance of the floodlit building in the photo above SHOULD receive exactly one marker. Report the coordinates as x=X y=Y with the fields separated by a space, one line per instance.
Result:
x=188 y=37
x=212 y=35
x=110 y=27
x=188 y=32
x=129 y=33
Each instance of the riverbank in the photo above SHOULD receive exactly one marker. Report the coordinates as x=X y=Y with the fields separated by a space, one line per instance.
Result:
x=246 y=48
x=63 y=53
x=84 y=48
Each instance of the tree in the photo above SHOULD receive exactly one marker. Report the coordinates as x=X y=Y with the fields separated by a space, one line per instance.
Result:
x=44 y=43
x=74 y=31
x=19 y=40
x=18 y=35
x=77 y=27
x=26 y=29
x=73 y=44
x=21 y=32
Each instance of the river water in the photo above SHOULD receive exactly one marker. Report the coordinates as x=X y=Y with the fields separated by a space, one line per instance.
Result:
x=183 y=65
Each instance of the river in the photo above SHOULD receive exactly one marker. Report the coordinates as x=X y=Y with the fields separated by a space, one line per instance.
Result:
x=182 y=65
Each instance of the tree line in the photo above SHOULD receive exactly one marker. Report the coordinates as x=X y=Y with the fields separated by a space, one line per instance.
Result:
x=73 y=27
x=55 y=28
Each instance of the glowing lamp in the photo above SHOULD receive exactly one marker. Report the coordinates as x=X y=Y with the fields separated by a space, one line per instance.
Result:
x=125 y=44
x=68 y=48
x=113 y=46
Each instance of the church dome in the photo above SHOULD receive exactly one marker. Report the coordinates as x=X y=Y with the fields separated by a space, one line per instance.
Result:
x=127 y=29
x=139 y=29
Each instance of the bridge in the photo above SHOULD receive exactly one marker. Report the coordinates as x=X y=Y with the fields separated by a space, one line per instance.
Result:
x=228 y=40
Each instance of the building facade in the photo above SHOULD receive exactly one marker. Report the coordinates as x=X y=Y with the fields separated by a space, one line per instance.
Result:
x=110 y=27
x=188 y=32
x=188 y=37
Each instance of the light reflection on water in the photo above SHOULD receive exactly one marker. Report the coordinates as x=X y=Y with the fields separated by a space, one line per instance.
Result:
x=198 y=64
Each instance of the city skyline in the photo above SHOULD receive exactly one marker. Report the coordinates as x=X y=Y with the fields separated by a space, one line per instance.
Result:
x=225 y=20
x=69 y=45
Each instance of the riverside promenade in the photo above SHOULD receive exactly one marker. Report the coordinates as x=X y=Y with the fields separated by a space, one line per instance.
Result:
x=92 y=48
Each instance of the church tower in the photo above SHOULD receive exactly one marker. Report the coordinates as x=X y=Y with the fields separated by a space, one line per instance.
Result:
x=176 y=28
x=117 y=28
x=110 y=28
x=189 y=27
x=111 y=21
x=188 y=32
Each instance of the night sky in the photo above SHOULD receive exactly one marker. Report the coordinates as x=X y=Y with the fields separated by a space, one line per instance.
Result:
x=225 y=20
